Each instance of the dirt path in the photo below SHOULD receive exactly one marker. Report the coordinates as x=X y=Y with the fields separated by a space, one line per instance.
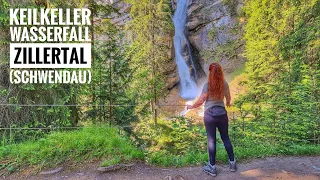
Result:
x=274 y=168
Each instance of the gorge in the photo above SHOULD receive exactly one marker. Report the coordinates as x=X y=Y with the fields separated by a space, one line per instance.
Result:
x=213 y=29
x=204 y=32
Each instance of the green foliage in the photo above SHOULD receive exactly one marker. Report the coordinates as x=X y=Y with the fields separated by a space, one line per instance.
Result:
x=175 y=142
x=225 y=50
x=177 y=136
x=28 y=93
x=149 y=31
x=232 y=6
x=283 y=69
x=212 y=34
x=111 y=79
x=87 y=143
x=227 y=43
x=164 y=146
x=4 y=32
x=179 y=142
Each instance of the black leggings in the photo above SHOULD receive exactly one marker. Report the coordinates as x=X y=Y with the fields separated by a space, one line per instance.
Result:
x=212 y=122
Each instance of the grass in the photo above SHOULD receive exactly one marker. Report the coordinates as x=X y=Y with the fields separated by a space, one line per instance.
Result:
x=58 y=147
x=195 y=152
x=241 y=153
x=107 y=145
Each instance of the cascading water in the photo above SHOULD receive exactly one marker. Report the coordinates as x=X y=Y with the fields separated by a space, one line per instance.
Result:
x=188 y=87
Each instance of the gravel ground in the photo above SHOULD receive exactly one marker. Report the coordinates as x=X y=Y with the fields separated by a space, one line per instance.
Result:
x=273 y=168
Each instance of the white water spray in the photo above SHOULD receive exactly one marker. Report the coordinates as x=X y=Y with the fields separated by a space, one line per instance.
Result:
x=188 y=88
x=185 y=111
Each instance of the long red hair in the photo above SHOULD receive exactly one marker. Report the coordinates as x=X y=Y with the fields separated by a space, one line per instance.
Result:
x=216 y=81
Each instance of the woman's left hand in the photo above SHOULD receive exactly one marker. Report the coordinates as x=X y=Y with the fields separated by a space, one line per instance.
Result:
x=189 y=107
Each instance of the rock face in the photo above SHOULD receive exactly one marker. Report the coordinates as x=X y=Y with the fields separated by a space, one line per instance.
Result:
x=215 y=33
x=121 y=17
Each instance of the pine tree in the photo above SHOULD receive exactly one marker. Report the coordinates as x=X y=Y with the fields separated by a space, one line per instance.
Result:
x=149 y=49
x=281 y=38
x=41 y=93
x=111 y=77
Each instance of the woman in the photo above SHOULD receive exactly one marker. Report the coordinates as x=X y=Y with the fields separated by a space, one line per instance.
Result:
x=215 y=115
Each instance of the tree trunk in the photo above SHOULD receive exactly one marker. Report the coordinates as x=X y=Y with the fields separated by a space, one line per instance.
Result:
x=110 y=93
x=154 y=100
x=74 y=110
x=93 y=88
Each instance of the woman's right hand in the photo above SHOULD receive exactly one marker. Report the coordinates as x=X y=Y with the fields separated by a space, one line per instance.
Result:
x=229 y=104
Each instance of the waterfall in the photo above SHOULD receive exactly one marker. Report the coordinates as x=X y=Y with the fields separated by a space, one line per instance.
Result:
x=188 y=87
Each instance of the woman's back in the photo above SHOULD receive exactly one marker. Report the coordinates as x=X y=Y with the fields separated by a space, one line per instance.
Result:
x=210 y=102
